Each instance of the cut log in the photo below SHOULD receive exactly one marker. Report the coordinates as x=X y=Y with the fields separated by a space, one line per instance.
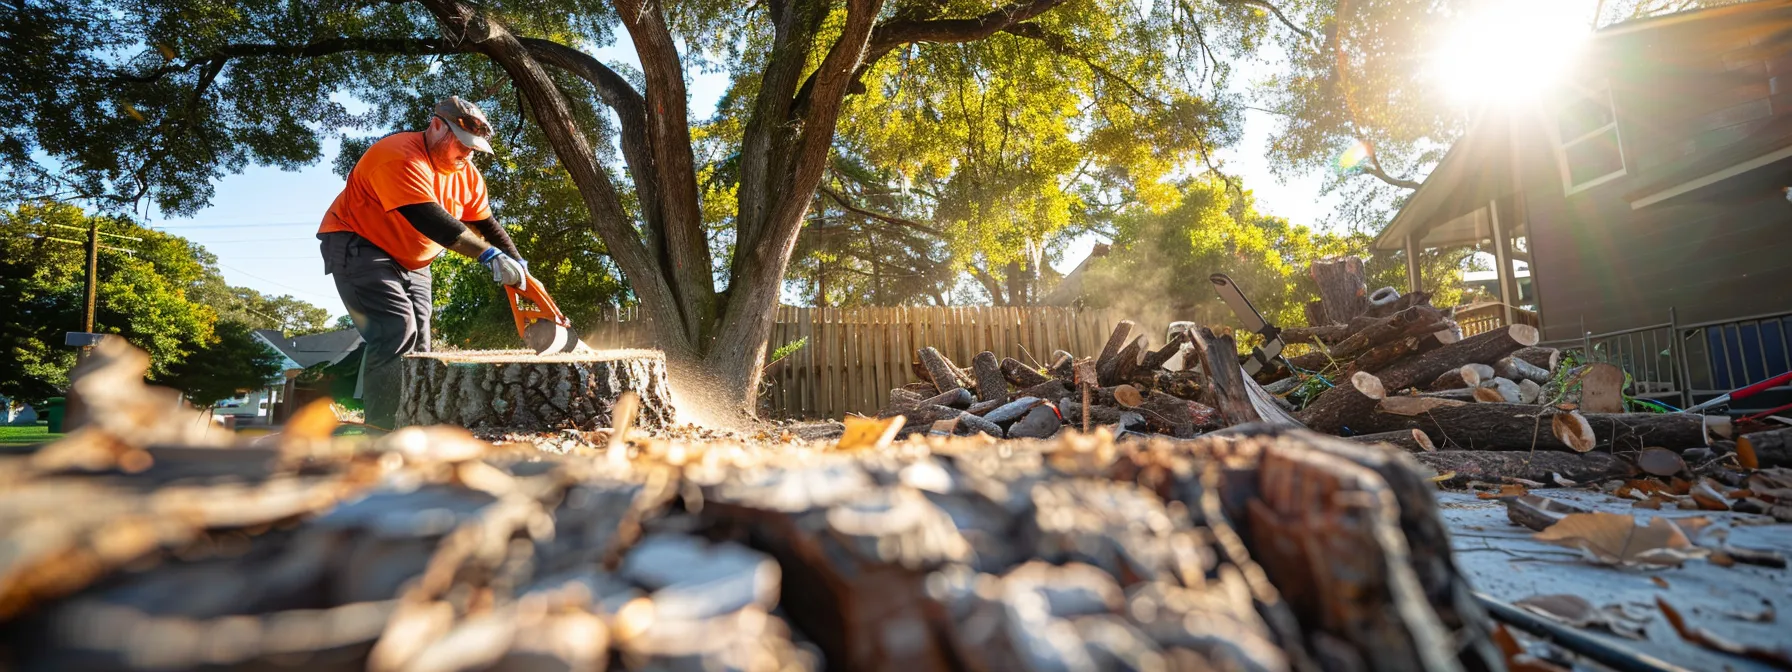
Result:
x=1180 y=418
x=941 y=371
x=1342 y=292
x=1155 y=359
x=1051 y=389
x=1040 y=422
x=901 y=400
x=1072 y=410
x=1602 y=388
x=1013 y=410
x=1523 y=427
x=1481 y=348
x=1118 y=339
x=1020 y=374
x=957 y=397
x=1225 y=390
x=983 y=408
x=991 y=384
x=1528 y=392
x=1182 y=384
x=1414 y=321
x=1516 y=369
x=1121 y=367
x=1322 y=335
x=1315 y=312
x=927 y=415
x=1344 y=405
x=1419 y=298
x=1497 y=391
x=1772 y=448
x=1492 y=466
x=1465 y=376
x=1061 y=364
x=1542 y=357
x=1409 y=440
x=518 y=389
x=1387 y=354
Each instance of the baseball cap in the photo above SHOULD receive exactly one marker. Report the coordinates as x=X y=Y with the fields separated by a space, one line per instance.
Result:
x=467 y=122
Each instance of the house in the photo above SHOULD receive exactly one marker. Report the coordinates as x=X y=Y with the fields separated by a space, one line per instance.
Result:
x=1647 y=197
x=297 y=354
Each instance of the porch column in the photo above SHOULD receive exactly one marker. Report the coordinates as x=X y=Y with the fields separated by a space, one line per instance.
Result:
x=1502 y=261
x=1413 y=282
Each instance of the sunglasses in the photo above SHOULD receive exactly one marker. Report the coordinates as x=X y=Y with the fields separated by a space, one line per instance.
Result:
x=471 y=125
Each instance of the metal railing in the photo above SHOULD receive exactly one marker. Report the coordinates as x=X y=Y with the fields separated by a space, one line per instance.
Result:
x=1489 y=316
x=1691 y=361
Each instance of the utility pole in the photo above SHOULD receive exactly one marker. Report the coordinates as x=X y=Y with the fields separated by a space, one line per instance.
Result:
x=93 y=275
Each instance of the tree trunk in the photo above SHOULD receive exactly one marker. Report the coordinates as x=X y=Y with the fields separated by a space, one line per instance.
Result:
x=1344 y=405
x=1497 y=426
x=1343 y=294
x=1484 y=348
x=528 y=392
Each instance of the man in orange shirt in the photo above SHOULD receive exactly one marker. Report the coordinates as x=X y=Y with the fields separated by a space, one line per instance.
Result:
x=410 y=196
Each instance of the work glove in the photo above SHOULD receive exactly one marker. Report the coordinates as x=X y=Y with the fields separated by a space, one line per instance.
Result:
x=505 y=269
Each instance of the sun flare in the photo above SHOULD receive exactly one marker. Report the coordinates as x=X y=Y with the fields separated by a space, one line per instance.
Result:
x=1509 y=51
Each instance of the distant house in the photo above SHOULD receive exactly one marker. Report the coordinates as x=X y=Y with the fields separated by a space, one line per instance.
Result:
x=297 y=354
x=1647 y=197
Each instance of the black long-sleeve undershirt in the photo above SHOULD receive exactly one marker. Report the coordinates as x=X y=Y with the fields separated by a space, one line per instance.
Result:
x=436 y=224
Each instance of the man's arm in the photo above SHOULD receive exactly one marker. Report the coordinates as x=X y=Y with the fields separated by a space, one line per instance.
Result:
x=435 y=224
x=494 y=234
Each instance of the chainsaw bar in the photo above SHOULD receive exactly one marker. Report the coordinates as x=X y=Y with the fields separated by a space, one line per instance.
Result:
x=546 y=336
x=1261 y=357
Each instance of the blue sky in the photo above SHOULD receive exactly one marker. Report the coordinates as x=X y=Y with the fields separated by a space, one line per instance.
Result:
x=261 y=223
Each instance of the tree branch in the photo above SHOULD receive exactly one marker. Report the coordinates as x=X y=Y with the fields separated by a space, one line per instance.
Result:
x=849 y=207
x=1277 y=11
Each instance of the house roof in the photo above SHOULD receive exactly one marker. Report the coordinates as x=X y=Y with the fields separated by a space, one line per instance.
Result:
x=307 y=351
x=1449 y=209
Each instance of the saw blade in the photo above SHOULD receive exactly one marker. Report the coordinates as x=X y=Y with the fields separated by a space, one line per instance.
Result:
x=1272 y=337
x=544 y=337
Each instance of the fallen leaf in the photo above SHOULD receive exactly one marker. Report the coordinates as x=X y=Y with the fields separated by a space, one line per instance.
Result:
x=1442 y=477
x=1722 y=559
x=1660 y=461
x=1561 y=481
x=1653 y=503
x=1614 y=539
x=1697 y=528
x=313 y=422
x=1571 y=609
x=1708 y=498
x=863 y=433
x=1679 y=486
x=1660 y=582
x=1573 y=429
x=1505 y=491
x=1707 y=639
x=1567 y=406
x=1745 y=455
x=1525 y=482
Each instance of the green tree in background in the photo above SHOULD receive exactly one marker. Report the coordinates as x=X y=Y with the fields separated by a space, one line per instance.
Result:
x=160 y=296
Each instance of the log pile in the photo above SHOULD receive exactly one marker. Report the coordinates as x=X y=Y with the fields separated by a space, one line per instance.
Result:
x=147 y=541
x=1377 y=364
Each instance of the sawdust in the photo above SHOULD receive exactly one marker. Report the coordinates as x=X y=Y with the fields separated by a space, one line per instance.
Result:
x=529 y=356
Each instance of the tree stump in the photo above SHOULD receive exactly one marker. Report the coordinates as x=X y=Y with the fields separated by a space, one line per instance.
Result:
x=518 y=389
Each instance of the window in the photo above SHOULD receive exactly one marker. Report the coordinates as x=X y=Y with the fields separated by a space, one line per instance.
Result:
x=1587 y=133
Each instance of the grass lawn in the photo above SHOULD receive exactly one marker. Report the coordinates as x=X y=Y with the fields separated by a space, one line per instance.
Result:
x=26 y=435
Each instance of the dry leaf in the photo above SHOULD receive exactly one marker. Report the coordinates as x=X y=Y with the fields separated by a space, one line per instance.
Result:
x=1442 y=477
x=313 y=422
x=1576 y=611
x=1679 y=486
x=1659 y=582
x=1707 y=639
x=1568 y=406
x=1614 y=539
x=1573 y=429
x=1660 y=461
x=943 y=427
x=1562 y=481
x=1721 y=559
x=864 y=433
x=1505 y=492
x=1708 y=498
x=1653 y=503
x=1745 y=454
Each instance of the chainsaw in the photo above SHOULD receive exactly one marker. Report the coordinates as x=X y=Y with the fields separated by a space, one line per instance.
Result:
x=541 y=324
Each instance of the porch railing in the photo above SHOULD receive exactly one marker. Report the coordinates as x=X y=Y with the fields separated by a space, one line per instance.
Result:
x=1696 y=361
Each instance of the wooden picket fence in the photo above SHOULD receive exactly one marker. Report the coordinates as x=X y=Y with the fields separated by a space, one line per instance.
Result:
x=853 y=357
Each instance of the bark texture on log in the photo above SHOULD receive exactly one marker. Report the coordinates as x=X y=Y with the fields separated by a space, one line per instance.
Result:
x=1483 y=348
x=991 y=384
x=1542 y=357
x=1414 y=321
x=1496 y=426
x=1020 y=374
x=1344 y=405
x=1772 y=448
x=1409 y=440
x=1494 y=466
x=521 y=390
x=940 y=371
x=1225 y=389
x=1343 y=294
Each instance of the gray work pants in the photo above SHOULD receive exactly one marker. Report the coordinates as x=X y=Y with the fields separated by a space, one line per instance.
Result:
x=389 y=305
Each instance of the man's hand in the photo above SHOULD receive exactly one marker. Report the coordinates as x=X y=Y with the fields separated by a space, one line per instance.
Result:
x=505 y=269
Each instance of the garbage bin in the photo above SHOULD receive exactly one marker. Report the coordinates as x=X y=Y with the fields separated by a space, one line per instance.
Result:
x=54 y=407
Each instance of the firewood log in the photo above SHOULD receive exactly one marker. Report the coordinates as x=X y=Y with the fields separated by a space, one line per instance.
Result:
x=1062 y=363
x=1413 y=321
x=1419 y=298
x=1494 y=426
x=1124 y=396
x=1516 y=369
x=1344 y=405
x=926 y=415
x=1496 y=466
x=1497 y=391
x=941 y=371
x=1180 y=418
x=1072 y=410
x=1013 y=410
x=1156 y=358
x=1528 y=392
x=1040 y=422
x=1051 y=389
x=1315 y=312
x=1121 y=367
x=1020 y=374
x=1181 y=384
x=1225 y=389
x=1121 y=337
x=1322 y=335
x=1478 y=349
x=983 y=408
x=991 y=385
x=1387 y=354
x=1409 y=440
x=1542 y=357
x=1465 y=376
x=957 y=397
x=1772 y=448
x=902 y=399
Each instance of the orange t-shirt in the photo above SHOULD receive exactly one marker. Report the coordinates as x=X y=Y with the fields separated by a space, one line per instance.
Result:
x=393 y=173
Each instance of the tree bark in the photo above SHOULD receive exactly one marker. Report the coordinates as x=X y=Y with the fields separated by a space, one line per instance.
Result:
x=1497 y=426
x=1409 y=440
x=1117 y=340
x=1462 y=377
x=1225 y=388
x=991 y=385
x=1478 y=349
x=523 y=391
x=1020 y=374
x=941 y=371
x=1343 y=294
x=1344 y=405
x=1494 y=466
x=1771 y=448
x=1414 y=321
x=1516 y=369
x=1541 y=357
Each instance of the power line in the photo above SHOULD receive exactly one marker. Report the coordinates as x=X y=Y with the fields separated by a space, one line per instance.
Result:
x=254 y=240
x=274 y=282
x=165 y=227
